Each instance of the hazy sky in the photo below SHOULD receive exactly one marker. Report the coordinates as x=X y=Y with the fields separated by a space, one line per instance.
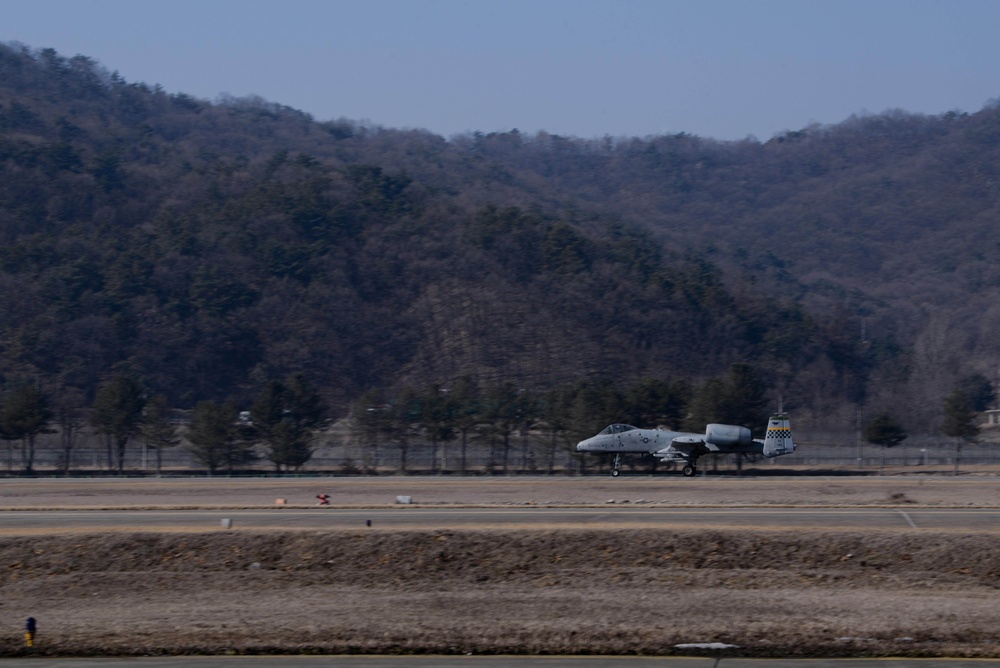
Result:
x=716 y=68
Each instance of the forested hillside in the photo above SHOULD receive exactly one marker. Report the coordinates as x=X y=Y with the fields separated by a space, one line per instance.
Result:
x=209 y=248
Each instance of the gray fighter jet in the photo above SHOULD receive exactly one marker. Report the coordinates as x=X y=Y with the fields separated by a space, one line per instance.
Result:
x=676 y=446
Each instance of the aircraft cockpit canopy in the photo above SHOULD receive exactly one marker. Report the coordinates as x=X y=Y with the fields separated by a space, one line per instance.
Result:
x=616 y=429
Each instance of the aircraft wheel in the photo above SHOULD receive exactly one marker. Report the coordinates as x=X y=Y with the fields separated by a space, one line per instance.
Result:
x=614 y=473
x=689 y=471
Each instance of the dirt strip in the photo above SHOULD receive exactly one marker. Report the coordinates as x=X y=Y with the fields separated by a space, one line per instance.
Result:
x=802 y=593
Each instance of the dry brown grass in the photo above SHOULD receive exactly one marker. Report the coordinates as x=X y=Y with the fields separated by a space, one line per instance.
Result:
x=517 y=591
x=565 y=591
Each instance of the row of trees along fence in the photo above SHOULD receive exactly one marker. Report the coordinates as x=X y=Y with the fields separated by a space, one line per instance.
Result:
x=960 y=412
x=503 y=416
x=288 y=415
x=287 y=418
x=521 y=429
x=337 y=453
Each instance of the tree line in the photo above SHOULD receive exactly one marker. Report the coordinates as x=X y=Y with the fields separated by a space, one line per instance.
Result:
x=523 y=429
x=502 y=416
x=287 y=418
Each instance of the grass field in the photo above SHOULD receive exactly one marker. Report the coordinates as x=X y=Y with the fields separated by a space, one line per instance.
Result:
x=773 y=593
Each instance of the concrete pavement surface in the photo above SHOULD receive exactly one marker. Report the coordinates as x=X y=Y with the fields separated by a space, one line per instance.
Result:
x=15 y=522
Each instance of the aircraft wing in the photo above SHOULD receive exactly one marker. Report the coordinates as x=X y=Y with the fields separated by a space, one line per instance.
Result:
x=688 y=443
x=685 y=447
x=691 y=443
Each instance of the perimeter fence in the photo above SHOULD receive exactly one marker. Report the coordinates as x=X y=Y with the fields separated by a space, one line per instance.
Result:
x=341 y=456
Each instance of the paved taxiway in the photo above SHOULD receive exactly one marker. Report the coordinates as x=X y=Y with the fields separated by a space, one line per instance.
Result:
x=491 y=662
x=403 y=517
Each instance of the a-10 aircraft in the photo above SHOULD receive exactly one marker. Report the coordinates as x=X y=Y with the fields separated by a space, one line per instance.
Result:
x=676 y=446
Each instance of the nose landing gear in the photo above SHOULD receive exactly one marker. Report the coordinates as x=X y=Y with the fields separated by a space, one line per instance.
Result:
x=614 y=467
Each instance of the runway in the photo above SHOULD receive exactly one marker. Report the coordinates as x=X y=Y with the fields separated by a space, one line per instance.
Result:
x=17 y=522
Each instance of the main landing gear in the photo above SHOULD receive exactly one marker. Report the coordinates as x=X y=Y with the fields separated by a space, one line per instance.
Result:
x=689 y=470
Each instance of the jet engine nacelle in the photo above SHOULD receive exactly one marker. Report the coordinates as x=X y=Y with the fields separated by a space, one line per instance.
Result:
x=727 y=435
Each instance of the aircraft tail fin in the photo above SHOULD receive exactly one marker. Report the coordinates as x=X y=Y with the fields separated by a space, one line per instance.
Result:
x=778 y=440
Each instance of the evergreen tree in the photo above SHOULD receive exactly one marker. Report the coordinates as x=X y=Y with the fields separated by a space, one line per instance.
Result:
x=556 y=408
x=216 y=437
x=285 y=418
x=960 y=416
x=369 y=423
x=960 y=420
x=404 y=416
x=528 y=411
x=117 y=414
x=501 y=415
x=746 y=400
x=738 y=399
x=708 y=405
x=25 y=413
x=885 y=431
x=594 y=406
x=157 y=430
x=439 y=423
x=70 y=416
x=651 y=402
x=467 y=404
